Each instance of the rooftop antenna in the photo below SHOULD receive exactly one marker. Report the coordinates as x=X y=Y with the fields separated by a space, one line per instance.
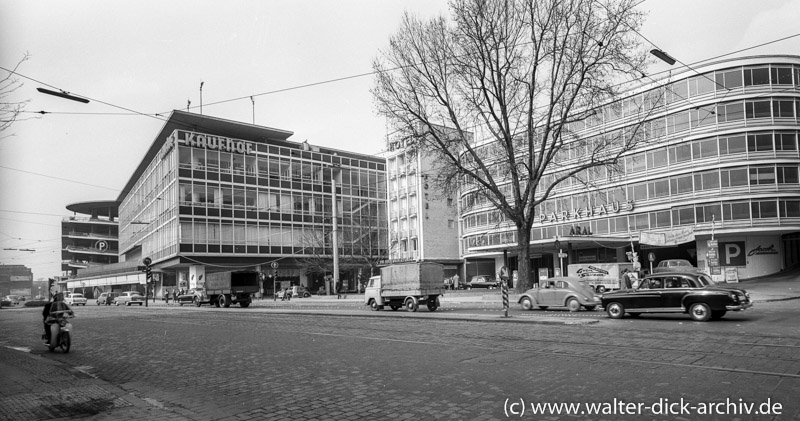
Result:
x=201 y=98
x=254 y=108
x=188 y=104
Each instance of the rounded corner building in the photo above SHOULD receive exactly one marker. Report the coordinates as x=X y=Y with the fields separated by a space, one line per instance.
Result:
x=716 y=182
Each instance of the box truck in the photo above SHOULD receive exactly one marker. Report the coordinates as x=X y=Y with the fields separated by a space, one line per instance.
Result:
x=406 y=285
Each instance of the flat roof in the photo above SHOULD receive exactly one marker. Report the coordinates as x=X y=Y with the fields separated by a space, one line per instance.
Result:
x=204 y=124
x=108 y=208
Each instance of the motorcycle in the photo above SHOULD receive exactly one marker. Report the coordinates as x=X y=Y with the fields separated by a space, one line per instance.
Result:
x=60 y=336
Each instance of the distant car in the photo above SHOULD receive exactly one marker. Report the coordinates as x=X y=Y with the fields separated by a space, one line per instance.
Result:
x=128 y=298
x=186 y=298
x=14 y=299
x=75 y=299
x=483 y=281
x=569 y=292
x=299 y=291
x=677 y=292
x=674 y=265
x=106 y=298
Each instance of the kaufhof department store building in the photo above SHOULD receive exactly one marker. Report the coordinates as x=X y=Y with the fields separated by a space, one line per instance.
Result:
x=215 y=195
x=721 y=160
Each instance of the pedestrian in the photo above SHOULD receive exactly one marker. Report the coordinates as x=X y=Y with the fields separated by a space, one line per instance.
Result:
x=166 y=296
x=338 y=289
x=455 y=281
x=282 y=293
x=289 y=294
x=626 y=279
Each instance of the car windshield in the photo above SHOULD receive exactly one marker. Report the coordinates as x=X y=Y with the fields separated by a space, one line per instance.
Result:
x=77 y=295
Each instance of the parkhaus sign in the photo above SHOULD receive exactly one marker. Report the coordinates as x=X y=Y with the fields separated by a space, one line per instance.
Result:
x=214 y=143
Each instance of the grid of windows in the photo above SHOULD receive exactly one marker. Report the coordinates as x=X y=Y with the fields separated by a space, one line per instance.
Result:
x=693 y=163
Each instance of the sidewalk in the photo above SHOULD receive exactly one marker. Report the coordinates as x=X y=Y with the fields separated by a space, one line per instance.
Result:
x=37 y=388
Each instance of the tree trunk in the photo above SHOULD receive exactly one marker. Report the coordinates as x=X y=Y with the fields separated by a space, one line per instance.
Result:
x=524 y=280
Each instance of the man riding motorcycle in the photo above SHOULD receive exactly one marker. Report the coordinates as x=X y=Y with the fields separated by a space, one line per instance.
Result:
x=52 y=312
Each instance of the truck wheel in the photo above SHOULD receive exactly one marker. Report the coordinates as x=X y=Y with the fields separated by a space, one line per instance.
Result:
x=394 y=308
x=700 y=312
x=244 y=304
x=224 y=300
x=411 y=305
x=196 y=301
x=573 y=305
x=526 y=304
x=373 y=305
x=432 y=306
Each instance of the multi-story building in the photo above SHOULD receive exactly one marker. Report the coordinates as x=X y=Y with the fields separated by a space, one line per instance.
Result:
x=16 y=280
x=719 y=161
x=216 y=195
x=89 y=237
x=423 y=221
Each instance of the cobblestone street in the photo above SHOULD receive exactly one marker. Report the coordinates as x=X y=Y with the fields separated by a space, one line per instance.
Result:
x=206 y=363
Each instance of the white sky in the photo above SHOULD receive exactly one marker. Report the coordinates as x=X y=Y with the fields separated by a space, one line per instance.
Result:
x=150 y=57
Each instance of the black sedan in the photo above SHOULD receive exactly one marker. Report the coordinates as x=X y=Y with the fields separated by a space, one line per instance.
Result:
x=677 y=292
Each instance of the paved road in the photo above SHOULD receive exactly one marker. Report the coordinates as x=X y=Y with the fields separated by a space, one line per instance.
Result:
x=343 y=362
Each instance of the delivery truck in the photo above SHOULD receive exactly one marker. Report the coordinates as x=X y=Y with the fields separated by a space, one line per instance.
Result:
x=225 y=288
x=408 y=285
x=601 y=276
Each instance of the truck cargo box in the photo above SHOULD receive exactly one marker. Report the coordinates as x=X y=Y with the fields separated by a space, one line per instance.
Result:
x=412 y=276
x=233 y=282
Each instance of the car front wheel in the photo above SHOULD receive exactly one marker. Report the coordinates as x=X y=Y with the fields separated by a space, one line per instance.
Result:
x=615 y=310
x=526 y=304
x=700 y=312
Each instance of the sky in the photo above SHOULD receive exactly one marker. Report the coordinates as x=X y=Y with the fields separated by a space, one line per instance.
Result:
x=306 y=64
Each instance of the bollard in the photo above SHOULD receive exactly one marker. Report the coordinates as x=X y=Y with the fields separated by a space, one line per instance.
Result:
x=504 y=288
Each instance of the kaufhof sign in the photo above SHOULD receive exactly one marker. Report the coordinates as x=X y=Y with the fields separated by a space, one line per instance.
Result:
x=211 y=142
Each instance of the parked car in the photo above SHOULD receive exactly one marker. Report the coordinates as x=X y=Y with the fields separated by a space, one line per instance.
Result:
x=75 y=299
x=106 y=298
x=674 y=265
x=14 y=299
x=483 y=281
x=299 y=291
x=128 y=298
x=677 y=292
x=569 y=292
x=186 y=298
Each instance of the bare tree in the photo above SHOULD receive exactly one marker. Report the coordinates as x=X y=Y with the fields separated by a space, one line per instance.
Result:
x=512 y=80
x=9 y=109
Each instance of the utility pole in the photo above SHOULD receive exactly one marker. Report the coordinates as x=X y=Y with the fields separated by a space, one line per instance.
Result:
x=334 y=172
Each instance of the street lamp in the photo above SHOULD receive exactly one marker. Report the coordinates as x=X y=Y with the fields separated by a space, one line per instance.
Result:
x=62 y=94
x=663 y=56
x=335 y=169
